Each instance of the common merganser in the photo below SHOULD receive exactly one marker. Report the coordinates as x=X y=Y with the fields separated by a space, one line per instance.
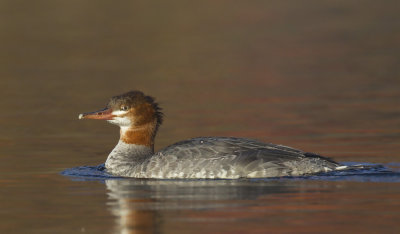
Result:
x=139 y=118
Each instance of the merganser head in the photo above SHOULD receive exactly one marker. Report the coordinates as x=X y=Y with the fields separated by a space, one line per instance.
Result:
x=138 y=116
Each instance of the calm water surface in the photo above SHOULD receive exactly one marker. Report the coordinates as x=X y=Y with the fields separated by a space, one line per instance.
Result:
x=322 y=77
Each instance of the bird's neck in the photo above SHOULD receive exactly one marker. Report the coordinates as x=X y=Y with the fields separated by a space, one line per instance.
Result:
x=139 y=135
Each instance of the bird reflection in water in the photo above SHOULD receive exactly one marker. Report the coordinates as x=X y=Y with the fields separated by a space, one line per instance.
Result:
x=141 y=206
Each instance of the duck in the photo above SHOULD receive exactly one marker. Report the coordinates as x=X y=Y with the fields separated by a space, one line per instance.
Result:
x=139 y=117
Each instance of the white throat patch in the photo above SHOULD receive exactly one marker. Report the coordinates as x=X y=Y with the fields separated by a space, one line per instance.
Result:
x=120 y=121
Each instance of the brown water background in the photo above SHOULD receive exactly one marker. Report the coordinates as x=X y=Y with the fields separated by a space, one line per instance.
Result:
x=322 y=76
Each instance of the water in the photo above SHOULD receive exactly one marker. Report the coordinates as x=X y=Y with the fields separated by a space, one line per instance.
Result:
x=244 y=205
x=319 y=76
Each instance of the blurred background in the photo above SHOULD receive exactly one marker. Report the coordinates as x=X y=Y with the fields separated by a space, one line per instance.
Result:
x=322 y=76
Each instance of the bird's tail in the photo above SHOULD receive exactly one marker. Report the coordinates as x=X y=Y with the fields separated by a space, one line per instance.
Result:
x=361 y=167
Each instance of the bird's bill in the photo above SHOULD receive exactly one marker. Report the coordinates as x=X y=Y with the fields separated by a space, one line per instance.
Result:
x=105 y=114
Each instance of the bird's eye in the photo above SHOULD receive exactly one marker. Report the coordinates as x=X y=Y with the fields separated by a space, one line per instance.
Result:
x=124 y=108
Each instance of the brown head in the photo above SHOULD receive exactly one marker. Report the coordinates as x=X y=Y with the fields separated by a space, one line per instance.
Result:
x=138 y=115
